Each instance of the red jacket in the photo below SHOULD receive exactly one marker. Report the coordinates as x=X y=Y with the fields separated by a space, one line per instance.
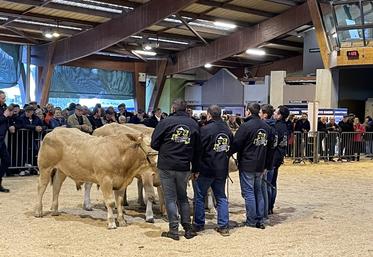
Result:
x=360 y=129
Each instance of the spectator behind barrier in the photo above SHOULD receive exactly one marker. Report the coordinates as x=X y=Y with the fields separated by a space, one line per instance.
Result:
x=138 y=118
x=79 y=121
x=154 y=119
x=58 y=120
x=122 y=111
x=30 y=121
x=95 y=119
x=110 y=116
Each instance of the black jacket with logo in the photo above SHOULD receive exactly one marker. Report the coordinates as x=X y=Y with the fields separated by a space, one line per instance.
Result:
x=216 y=138
x=177 y=141
x=251 y=142
x=271 y=149
x=282 y=143
x=4 y=123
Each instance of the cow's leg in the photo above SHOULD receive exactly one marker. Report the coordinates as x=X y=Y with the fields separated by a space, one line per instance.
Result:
x=162 y=205
x=140 y=195
x=107 y=191
x=44 y=179
x=119 y=202
x=87 y=197
x=125 y=202
x=147 y=180
x=210 y=202
x=59 y=178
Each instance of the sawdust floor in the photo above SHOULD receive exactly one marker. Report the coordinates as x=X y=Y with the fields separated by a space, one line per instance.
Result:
x=322 y=210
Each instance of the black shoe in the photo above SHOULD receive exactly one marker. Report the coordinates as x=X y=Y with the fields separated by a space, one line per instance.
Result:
x=4 y=190
x=171 y=235
x=223 y=231
x=260 y=225
x=270 y=212
x=189 y=231
x=198 y=228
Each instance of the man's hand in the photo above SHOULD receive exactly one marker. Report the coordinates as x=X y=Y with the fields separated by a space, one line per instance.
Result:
x=38 y=129
x=195 y=176
x=84 y=127
x=12 y=129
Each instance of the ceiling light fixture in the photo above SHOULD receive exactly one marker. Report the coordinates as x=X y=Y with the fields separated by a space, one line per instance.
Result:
x=208 y=65
x=48 y=35
x=225 y=25
x=255 y=51
x=146 y=53
x=334 y=35
x=148 y=47
x=56 y=34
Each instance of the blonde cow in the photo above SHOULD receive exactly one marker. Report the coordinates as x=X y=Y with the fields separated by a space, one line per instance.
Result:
x=111 y=162
x=147 y=180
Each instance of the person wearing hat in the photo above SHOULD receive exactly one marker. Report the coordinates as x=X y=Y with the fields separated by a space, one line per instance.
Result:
x=79 y=121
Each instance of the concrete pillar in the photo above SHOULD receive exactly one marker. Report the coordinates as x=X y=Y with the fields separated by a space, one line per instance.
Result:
x=327 y=88
x=276 y=88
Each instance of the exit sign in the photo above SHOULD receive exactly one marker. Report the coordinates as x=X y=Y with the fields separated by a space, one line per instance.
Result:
x=353 y=54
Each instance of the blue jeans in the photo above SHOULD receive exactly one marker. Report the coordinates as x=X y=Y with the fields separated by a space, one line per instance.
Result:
x=202 y=184
x=273 y=180
x=174 y=185
x=271 y=193
x=251 y=190
x=265 y=196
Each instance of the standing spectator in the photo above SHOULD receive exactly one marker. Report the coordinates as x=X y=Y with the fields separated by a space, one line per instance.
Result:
x=5 y=114
x=322 y=137
x=302 y=127
x=359 y=130
x=203 y=120
x=346 y=128
x=369 y=135
x=79 y=121
x=71 y=109
x=49 y=113
x=290 y=124
x=216 y=138
x=155 y=119
x=177 y=140
x=95 y=119
x=40 y=115
x=251 y=144
x=34 y=125
x=58 y=120
x=109 y=116
x=138 y=118
x=123 y=112
x=332 y=129
x=232 y=124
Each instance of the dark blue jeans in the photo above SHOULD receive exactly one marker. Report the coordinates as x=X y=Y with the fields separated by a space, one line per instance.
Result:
x=5 y=159
x=271 y=193
x=202 y=184
x=251 y=190
x=174 y=185
x=272 y=177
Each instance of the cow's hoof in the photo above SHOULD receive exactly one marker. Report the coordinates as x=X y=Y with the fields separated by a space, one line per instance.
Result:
x=38 y=214
x=87 y=208
x=122 y=222
x=151 y=220
x=112 y=225
x=55 y=213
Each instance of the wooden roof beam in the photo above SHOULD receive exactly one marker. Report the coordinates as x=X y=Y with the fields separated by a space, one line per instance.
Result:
x=241 y=40
x=115 y=30
x=237 y=8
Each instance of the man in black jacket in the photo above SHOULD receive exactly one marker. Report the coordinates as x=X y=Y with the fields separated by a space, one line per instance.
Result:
x=5 y=115
x=251 y=142
x=177 y=141
x=280 y=115
x=266 y=113
x=154 y=119
x=216 y=139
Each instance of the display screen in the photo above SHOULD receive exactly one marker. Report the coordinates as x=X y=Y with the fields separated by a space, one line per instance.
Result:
x=353 y=54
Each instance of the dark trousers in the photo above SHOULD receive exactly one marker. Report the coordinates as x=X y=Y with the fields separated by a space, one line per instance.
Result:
x=174 y=184
x=202 y=184
x=272 y=178
x=5 y=159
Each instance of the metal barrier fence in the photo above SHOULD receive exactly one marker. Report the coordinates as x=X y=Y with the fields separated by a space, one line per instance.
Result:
x=23 y=147
x=328 y=146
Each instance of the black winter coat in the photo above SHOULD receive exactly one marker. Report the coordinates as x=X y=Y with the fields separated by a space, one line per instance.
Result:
x=251 y=142
x=177 y=141
x=216 y=139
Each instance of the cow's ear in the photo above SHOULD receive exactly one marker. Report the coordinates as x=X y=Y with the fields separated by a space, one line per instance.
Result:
x=135 y=137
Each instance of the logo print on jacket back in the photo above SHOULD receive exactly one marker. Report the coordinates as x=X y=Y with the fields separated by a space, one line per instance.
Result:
x=261 y=138
x=221 y=143
x=181 y=135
